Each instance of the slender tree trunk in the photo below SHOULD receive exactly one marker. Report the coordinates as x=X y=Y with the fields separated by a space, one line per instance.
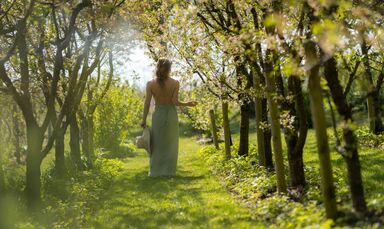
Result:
x=87 y=128
x=350 y=153
x=2 y=178
x=244 y=130
x=334 y=127
x=275 y=124
x=373 y=104
x=371 y=113
x=91 y=146
x=75 y=143
x=378 y=128
x=295 y=136
x=276 y=137
x=85 y=139
x=33 y=173
x=354 y=170
x=318 y=117
x=259 y=119
x=16 y=133
x=227 y=131
x=295 y=163
x=59 y=152
x=242 y=74
x=267 y=137
x=302 y=134
x=213 y=128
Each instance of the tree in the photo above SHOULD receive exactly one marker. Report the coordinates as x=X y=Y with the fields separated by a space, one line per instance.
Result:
x=96 y=91
x=318 y=117
x=349 y=151
x=52 y=67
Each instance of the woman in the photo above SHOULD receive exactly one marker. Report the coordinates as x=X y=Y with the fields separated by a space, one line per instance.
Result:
x=165 y=123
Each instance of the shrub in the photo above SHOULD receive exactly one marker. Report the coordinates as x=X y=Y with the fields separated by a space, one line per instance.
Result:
x=255 y=187
x=119 y=111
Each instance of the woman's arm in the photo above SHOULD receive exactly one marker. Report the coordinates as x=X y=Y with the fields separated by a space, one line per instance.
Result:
x=175 y=98
x=147 y=103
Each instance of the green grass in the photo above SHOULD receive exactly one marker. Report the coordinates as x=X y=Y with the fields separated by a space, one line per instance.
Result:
x=372 y=159
x=249 y=183
x=191 y=199
x=195 y=198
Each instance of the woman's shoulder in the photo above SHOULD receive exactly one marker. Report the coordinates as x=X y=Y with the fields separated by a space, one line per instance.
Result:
x=174 y=81
x=150 y=82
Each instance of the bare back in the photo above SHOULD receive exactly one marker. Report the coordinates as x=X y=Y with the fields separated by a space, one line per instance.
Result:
x=163 y=94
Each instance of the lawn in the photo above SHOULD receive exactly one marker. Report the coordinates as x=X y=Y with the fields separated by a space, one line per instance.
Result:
x=372 y=160
x=118 y=193
x=192 y=199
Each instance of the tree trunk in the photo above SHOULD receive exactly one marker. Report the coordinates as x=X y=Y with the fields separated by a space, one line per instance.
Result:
x=267 y=137
x=16 y=133
x=227 y=131
x=354 y=170
x=371 y=113
x=87 y=128
x=59 y=152
x=50 y=130
x=350 y=153
x=318 y=117
x=242 y=74
x=213 y=128
x=373 y=103
x=275 y=123
x=378 y=127
x=276 y=135
x=85 y=139
x=295 y=136
x=33 y=160
x=259 y=119
x=91 y=147
x=75 y=143
x=244 y=130
x=2 y=178
x=302 y=134
x=295 y=163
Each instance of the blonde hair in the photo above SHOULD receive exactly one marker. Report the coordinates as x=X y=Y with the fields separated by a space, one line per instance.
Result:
x=163 y=69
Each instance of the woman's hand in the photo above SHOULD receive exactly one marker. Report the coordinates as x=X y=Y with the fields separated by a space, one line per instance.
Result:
x=192 y=104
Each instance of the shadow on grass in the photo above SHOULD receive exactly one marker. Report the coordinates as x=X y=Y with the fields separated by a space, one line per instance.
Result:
x=371 y=166
x=141 y=201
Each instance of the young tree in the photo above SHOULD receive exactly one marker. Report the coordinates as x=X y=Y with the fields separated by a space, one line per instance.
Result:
x=318 y=117
x=46 y=69
x=96 y=91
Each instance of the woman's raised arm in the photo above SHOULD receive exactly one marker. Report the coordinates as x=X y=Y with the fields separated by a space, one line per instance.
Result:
x=175 y=98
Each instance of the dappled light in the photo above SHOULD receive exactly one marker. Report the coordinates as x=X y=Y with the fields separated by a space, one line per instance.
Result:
x=191 y=114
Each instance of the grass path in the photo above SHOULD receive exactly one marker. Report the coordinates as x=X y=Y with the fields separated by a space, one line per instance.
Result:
x=192 y=199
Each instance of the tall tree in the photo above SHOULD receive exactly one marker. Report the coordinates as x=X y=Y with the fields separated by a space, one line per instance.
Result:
x=349 y=151
x=53 y=69
x=318 y=117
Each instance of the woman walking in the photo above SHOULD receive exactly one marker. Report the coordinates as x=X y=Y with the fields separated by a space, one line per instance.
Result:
x=165 y=123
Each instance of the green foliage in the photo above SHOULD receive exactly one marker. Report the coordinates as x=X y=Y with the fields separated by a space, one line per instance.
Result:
x=68 y=202
x=13 y=175
x=367 y=138
x=124 y=150
x=119 y=111
x=198 y=116
x=255 y=187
